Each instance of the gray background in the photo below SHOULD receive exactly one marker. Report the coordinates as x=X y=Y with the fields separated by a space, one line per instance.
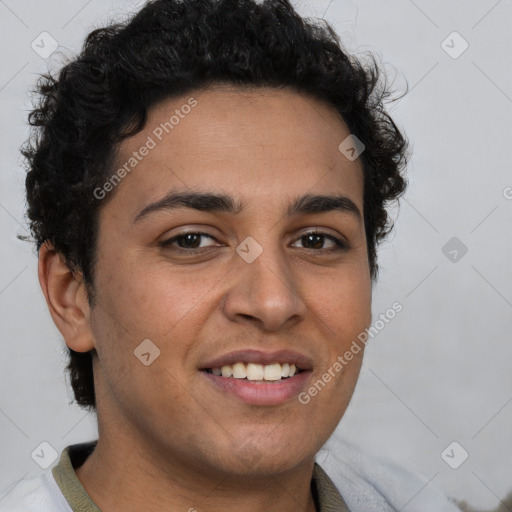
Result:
x=440 y=371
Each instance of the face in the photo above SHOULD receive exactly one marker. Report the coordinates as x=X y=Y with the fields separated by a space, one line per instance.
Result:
x=216 y=249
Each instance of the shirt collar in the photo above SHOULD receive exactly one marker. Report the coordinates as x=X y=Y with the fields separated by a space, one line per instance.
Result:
x=326 y=494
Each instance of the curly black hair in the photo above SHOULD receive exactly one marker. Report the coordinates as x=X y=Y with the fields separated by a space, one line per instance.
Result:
x=169 y=48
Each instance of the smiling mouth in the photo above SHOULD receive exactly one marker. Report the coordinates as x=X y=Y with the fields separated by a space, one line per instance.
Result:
x=256 y=372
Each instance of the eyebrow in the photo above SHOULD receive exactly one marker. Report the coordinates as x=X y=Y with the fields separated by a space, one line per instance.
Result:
x=209 y=202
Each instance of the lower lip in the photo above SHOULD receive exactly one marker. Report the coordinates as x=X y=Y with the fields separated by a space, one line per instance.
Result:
x=261 y=393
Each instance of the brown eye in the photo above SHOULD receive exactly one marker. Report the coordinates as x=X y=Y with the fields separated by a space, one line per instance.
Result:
x=188 y=241
x=317 y=241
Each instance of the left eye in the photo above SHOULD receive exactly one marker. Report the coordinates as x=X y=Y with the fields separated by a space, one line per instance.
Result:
x=316 y=240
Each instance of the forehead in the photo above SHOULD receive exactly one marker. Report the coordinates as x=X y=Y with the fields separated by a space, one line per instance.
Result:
x=250 y=143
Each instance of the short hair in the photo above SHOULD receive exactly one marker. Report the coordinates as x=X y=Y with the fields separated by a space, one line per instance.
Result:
x=170 y=48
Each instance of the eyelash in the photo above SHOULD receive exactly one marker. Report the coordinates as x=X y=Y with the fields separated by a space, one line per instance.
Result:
x=340 y=245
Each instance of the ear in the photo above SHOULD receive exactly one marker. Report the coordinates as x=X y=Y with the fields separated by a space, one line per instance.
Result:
x=66 y=297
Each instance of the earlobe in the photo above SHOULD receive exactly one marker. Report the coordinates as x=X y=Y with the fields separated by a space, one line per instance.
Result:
x=66 y=298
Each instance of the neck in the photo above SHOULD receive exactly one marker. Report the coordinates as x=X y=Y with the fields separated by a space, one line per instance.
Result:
x=157 y=482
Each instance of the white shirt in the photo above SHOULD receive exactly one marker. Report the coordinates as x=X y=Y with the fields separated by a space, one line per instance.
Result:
x=37 y=494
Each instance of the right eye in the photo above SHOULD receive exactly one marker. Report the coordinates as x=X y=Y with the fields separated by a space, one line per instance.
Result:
x=188 y=241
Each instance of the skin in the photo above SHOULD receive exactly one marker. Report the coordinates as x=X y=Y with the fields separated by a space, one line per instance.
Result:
x=174 y=440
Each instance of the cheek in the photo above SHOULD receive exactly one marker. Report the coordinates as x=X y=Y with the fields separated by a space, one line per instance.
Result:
x=343 y=309
x=343 y=304
x=135 y=303
x=151 y=298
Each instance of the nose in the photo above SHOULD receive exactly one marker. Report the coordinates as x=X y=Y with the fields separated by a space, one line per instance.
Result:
x=265 y=292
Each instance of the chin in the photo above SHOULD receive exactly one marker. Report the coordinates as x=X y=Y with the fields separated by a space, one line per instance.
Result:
x=263 y=460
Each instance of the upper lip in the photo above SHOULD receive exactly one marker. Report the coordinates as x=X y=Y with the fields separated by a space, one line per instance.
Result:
x=259 y=357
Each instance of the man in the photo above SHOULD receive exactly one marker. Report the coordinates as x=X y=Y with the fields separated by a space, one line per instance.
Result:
x=207 y=187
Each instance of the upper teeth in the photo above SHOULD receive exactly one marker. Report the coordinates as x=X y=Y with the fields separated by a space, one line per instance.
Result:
x=253 y=371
